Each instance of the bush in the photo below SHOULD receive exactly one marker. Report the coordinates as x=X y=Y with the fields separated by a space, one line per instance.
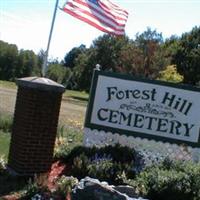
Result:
x=37 y=189
x=170 y=74
x=169 y=181
x=108 y=163
x=65 y=184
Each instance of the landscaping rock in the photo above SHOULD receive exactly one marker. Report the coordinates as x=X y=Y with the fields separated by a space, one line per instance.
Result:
x=128 y=190
x=93 y=189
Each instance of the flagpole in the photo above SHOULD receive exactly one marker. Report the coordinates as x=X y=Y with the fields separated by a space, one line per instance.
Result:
x=44 y=67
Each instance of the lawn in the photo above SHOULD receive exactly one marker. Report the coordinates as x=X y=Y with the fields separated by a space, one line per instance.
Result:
x=4 y=144
x=8 y=84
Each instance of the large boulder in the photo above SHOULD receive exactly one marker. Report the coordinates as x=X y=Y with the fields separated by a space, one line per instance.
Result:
x=92 y=189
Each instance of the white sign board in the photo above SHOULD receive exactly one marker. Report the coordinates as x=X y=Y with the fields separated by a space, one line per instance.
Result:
x=146 y=109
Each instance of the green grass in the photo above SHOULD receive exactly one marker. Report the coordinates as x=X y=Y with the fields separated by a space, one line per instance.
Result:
x=76 y=97
x=76 y=94
x=67 y=139
x=4 y=144
x=8 y=84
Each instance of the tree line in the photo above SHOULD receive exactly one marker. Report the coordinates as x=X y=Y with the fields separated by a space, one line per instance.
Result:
x=147 y=56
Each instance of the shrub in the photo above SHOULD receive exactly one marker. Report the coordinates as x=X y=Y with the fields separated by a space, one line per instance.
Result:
x=169 y=181
x=110 y=171
x=108 y=163
x=36 y=188
x=116 y=153
x=170 y=74
x=65 y=185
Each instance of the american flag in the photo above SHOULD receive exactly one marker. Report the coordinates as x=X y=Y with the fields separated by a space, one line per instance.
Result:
x=102 y=14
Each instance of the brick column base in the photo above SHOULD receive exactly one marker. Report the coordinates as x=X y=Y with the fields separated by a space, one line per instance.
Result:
x=35 y=125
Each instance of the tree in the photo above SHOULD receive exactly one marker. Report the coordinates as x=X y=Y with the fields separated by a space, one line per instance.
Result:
x=41 y=57
x=149 y=42
x=70 y=57
x=187 y=56
x=170 y=47
x=108 y=50
x=120 y=54
x=27 y=64
x=83 y=70
x=58 y=73
x=8 y=60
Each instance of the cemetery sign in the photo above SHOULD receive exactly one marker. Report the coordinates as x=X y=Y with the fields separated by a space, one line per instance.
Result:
x=143 y=108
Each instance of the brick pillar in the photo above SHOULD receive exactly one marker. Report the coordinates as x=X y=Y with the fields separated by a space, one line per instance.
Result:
x=35 y=125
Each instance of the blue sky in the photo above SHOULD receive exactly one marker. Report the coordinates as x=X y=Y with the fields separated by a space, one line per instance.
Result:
x=26 y=23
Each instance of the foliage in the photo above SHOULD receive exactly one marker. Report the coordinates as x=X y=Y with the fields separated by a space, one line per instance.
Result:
x=170 y=47
x=83 y=70
x=6 y=122
x=27 y=64
x=110 y=171
x=64 y=185
x=149 y=42
x=67 y=139
x=145 y=56
x=108 y=163
x=58 y=73
x=36 y=188
x=142 y=57
x=187 y=56
x=16 y=63
x=70 y=57
x=8 y=60
x=170 y=74
x=171 y=180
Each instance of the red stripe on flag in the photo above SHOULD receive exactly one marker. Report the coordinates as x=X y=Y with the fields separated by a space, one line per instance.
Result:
x=112 y=10
x=104 y=13
x=101 y=14
x=101 y=19
x=101 y=28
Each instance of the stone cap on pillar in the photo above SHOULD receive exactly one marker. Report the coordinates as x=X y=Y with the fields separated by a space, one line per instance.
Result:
x=40 y=83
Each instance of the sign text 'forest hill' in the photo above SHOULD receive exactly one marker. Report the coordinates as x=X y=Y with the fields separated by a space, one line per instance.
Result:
x=171 y=100
x=147 y=122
